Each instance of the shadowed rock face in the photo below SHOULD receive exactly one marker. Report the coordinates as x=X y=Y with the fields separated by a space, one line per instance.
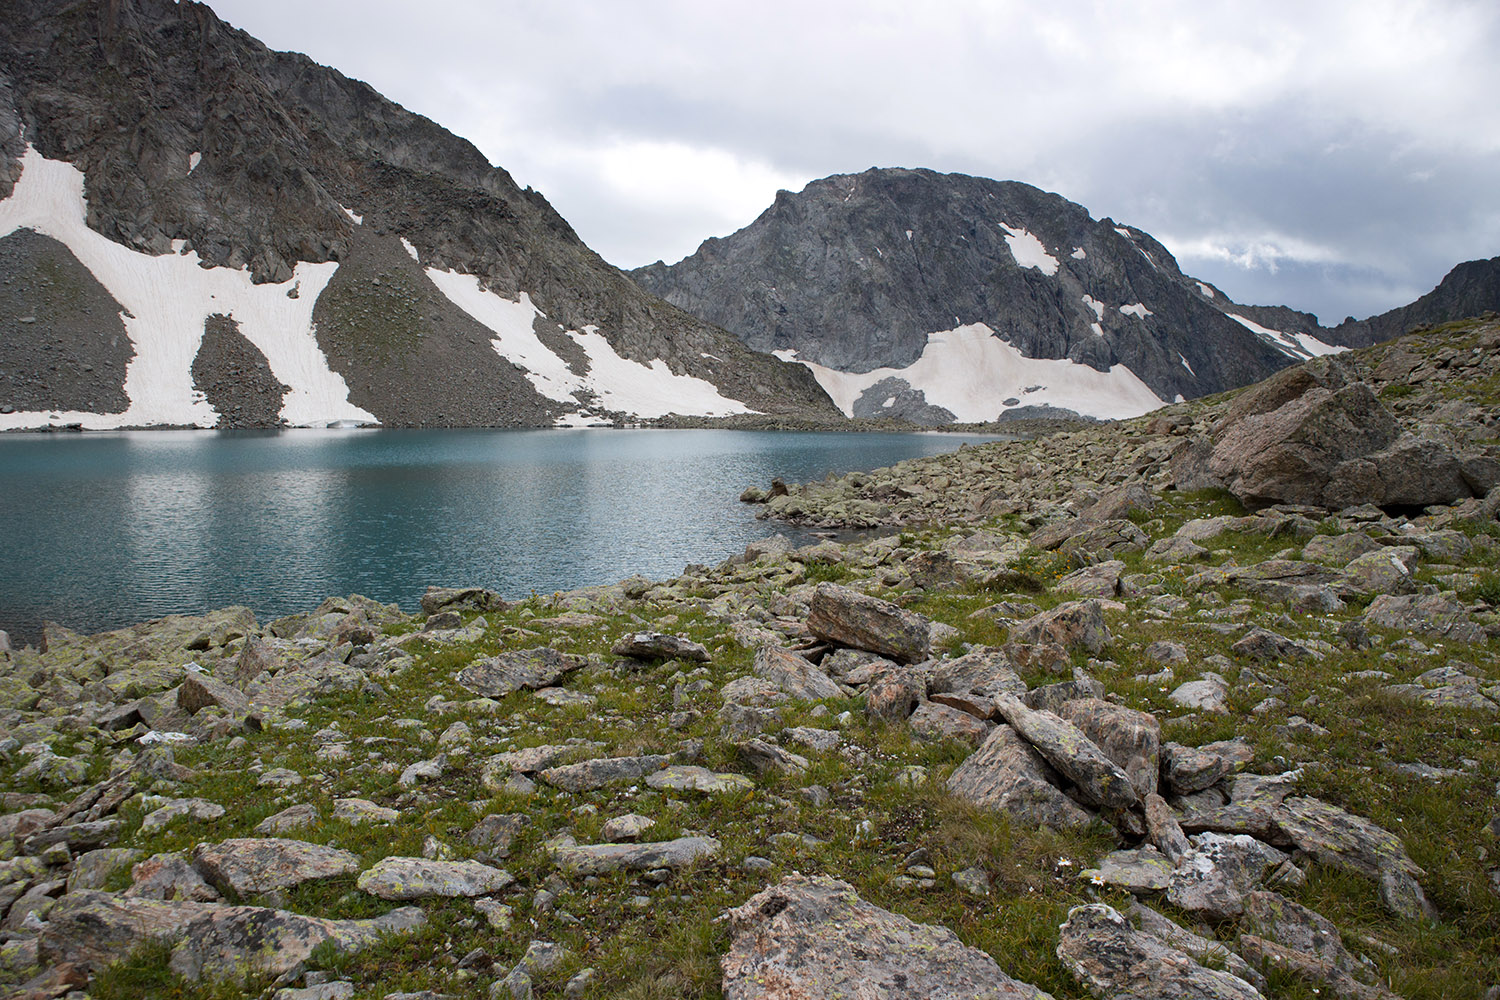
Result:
x=129 y=91
x=63 y=344
x=855 y=271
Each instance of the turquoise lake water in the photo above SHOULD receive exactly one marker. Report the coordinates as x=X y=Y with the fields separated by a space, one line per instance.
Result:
x=103 y=530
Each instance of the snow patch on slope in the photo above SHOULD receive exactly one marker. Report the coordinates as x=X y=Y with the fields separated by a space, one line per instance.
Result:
x=1207 y=292
x=1078 y=253
x=354 y=217
x=616 y=383
x=1136 y=309
x=1029 y=251
x=1293 y=344
x=166 y=301
x=193 y=160
x=969 y=370
x=1095 y=305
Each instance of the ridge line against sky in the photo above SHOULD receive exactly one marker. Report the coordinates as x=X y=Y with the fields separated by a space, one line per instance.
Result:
x=1337 y=157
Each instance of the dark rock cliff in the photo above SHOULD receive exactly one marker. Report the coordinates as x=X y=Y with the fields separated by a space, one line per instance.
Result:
x=129 y=90
x=855 y=270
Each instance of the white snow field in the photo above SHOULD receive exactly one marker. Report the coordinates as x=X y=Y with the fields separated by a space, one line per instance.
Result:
x=969 y=371
x=1028 y=250
x=1297 y=345
x=166 y=300
x=617 y=383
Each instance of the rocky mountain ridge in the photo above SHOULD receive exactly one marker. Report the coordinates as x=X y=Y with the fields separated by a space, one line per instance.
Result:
x=1082 y=730
x=196 y=143
x=897 y=286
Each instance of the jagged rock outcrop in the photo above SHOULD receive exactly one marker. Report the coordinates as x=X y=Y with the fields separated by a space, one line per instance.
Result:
x=1470 y=289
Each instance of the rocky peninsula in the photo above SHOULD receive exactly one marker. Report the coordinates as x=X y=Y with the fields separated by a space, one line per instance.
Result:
x=1203 y=704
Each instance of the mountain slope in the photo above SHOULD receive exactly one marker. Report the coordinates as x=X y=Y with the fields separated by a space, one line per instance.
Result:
x=1470 y=289
x=916 y=282
x=439 y=290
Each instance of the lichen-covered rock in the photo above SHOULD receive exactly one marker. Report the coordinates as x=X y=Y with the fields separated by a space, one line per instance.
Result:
x=422 y=878
x=849 y=618
x=1430 y=614
x=1343 y=840
x=590 y=774
x=692 y=778
x=461 y=598
x=1073 y=754
x=1130 y=738
x=659 y=646
x=90 y=930
x=793 y=675
x=1007 y=775
x=1114 y=960
x=1074 y=625
x=814 y=937
x=248 y=865
x=982 y=670
x=933 y=721
x=498 y=676
x=596 y=859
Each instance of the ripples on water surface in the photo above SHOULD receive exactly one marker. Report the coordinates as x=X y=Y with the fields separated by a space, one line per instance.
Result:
x=102 y=530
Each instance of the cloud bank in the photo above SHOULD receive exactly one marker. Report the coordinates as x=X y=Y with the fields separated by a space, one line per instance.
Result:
x=1337 y=157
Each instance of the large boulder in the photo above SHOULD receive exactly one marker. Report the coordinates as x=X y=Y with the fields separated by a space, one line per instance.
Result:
x=1113 y=959
x=1317 y=435
x=813 y=936
x=849 y=618
x=1007 y=775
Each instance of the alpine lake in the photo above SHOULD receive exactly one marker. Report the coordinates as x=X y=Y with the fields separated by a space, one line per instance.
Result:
x=102 y=530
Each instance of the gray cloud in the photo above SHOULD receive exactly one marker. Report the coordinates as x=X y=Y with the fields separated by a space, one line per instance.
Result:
x=1336 y=157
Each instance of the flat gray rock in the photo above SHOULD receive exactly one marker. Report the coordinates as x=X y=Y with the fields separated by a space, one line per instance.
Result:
x=421 y=878
x=659 y=646
x=498 y=676
x=590 y=774
x=595 y=859
x=248 y=865
x=815 y=937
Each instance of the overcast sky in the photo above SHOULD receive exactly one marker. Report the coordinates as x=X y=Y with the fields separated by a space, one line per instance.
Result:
x=1338 y=157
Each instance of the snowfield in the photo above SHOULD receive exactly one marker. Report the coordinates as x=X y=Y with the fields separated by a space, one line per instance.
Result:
x=970 y=372
x=616 y=383
x=1296 y=345
x=166 y=301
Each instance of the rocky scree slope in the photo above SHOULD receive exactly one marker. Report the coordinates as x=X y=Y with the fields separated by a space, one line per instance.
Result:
x=1113 y=739
x=857 y=271
x=194 y=139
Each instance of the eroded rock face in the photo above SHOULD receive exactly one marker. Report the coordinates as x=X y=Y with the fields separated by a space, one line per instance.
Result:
x=1073 y=754
x=814 y=937
x=850 y=618
x=793 y=675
